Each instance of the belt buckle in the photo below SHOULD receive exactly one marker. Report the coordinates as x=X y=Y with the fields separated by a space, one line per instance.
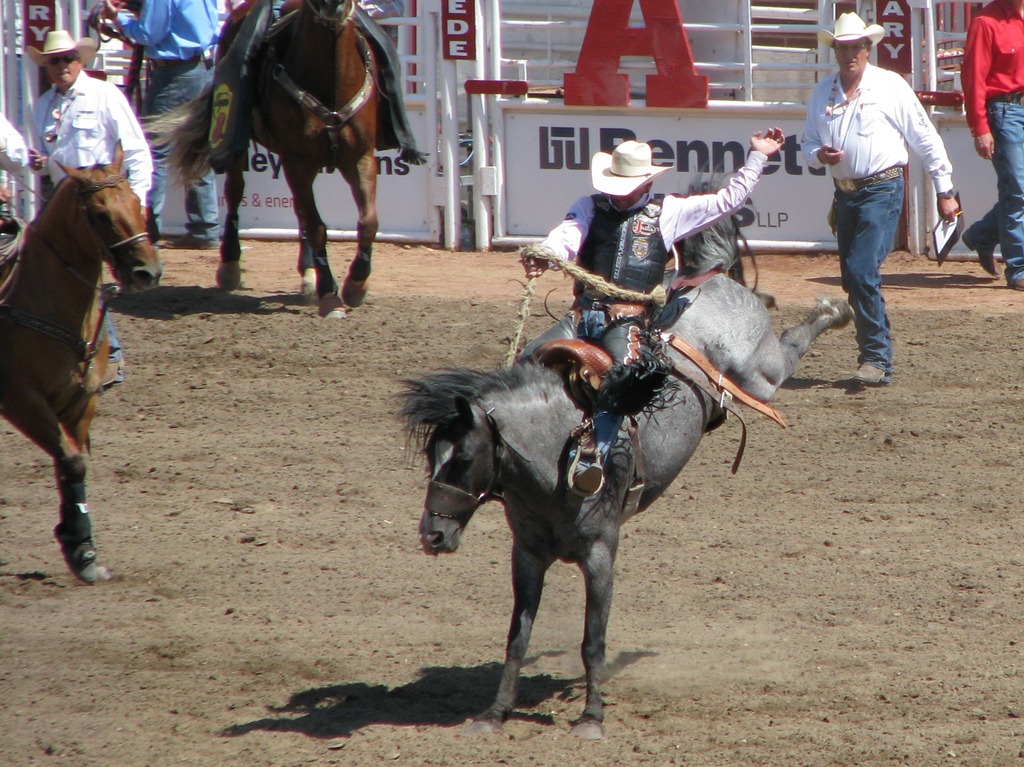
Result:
x=846 y=185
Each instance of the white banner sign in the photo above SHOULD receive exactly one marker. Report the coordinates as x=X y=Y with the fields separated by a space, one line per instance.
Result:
x=403 y=199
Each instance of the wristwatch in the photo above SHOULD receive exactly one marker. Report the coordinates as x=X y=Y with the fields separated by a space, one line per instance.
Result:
x=946 y=195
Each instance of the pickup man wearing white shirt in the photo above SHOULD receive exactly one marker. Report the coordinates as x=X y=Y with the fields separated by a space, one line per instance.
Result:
x=859 y=123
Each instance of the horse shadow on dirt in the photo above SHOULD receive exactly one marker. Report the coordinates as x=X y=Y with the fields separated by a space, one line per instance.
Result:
x=169 y=303
x=443 y=696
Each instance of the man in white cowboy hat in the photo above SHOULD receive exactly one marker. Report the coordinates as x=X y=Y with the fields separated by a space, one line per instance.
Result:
x=859 y=124
x=625 y=235
x=78 y=123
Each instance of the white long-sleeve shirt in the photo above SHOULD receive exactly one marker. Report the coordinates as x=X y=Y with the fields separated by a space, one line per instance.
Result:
x=873 y=128
x=13 y=152
x=84 y=126
x=680 y=216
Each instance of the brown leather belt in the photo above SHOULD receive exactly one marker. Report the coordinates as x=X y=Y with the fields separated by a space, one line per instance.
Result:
x=158 y=63
x=851 y=185
x=1006 y=98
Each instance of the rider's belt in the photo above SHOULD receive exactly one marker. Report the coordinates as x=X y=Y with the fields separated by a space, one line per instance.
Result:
x=158 y=63
x=1006 y=98
x=851 y=185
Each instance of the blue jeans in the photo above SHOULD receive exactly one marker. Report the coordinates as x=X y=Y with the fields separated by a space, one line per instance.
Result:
x=983 y=234
x=1007 y=123
x=866 y=223
x=171 y=86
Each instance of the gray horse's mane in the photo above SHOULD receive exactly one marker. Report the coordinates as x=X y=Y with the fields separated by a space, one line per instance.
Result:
x=428 y=403
x=711 y=248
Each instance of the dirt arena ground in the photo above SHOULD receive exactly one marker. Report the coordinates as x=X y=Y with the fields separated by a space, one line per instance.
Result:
x=853 y=596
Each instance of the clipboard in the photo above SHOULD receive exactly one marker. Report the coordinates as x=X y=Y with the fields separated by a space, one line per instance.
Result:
x=946 y=234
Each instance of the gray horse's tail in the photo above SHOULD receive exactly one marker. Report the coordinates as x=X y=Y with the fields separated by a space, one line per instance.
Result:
x=186 y=130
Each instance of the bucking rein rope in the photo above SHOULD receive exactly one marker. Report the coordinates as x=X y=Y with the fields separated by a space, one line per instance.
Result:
x=720 y=388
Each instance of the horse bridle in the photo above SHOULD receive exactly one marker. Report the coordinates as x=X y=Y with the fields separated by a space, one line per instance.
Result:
x=333 y=119
x=473 y=501
x=87 y=350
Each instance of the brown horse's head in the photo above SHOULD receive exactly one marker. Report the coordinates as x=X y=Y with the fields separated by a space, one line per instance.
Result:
x=331 y=12
x=117 y=223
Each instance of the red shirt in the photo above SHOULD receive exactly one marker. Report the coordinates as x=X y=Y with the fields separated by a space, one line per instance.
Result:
x=993 y=60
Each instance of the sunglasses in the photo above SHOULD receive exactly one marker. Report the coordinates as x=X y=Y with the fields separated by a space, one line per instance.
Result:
x=62 y=60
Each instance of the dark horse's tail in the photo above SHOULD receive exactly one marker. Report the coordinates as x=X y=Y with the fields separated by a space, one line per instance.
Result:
x=186 y=130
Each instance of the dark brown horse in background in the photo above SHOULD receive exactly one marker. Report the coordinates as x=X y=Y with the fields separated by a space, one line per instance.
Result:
x=316 y=103
x=53 y=350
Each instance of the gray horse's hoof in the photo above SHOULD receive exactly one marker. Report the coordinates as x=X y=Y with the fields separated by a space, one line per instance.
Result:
x=331 y=307
x=229 y=275
x=484 y=726
x=838 y=311
x=588 y=729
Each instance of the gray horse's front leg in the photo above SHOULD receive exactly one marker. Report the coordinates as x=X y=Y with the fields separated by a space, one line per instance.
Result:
x=527 y=585
x=598 y=573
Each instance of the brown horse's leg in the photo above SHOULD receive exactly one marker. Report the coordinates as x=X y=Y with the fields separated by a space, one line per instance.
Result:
x=34 y=418
x=229 y=274
x=364 y=191
x=314 y=233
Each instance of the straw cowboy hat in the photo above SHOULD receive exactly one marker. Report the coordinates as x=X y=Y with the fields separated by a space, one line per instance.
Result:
x=850 y=27
x=625 y=170
x=60 y=41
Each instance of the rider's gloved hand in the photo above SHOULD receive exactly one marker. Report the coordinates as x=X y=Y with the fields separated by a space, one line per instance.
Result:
x=536 y=259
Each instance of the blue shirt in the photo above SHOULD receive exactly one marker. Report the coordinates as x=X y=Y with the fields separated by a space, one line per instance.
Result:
x=173 y=29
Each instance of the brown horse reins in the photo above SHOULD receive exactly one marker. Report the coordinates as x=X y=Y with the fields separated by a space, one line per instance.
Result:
x=87 y=350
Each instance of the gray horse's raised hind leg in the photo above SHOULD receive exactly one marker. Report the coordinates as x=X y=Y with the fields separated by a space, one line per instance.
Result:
x=829 y=313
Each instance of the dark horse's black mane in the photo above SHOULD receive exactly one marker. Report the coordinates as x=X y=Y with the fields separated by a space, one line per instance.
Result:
x=429 y=403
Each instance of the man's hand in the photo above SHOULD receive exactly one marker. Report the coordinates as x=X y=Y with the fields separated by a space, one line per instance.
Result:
x=6 y=195
x=768 y=144
x=985 y=146
x=830 y=155
x=36 y=161
x=535 y=260
x=948 y=208
x=111 y=7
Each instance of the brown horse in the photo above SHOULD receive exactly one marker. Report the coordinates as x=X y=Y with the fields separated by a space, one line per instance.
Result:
x=316 y=97
x=52 y=310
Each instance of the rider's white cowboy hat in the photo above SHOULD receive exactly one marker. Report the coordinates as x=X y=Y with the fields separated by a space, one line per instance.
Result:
x=625 y=170
x=60 y=41
x=850 y=27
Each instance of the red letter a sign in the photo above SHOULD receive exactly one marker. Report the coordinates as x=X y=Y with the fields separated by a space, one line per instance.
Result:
x=597 y=81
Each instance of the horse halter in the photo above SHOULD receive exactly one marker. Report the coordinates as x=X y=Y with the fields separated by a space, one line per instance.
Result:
x=109 y=183
x=333 y=21
x=464 y=502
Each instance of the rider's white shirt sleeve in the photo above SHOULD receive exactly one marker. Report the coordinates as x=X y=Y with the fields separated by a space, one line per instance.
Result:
x=682 y=216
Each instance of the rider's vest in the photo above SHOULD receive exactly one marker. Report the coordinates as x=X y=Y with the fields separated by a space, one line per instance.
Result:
x=625 y=247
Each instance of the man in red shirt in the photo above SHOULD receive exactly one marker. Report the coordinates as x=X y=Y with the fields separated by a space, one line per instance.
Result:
x=993 y=83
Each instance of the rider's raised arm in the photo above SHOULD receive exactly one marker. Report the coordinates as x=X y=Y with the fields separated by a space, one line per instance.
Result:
x=682 y=216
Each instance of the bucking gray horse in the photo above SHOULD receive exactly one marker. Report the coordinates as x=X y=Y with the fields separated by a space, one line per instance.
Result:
x=504 y=435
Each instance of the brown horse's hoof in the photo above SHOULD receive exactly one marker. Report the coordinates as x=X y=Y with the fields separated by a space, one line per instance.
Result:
x=229 y=275
x=353 y=292
x=80 y=556
x=332 y=307
x=309 y=285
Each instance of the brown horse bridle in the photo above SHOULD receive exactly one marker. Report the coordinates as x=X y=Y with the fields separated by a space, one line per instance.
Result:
x=334 y=120
x=86 y=349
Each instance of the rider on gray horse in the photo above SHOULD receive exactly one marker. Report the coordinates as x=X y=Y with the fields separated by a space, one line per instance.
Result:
x=625 y=235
